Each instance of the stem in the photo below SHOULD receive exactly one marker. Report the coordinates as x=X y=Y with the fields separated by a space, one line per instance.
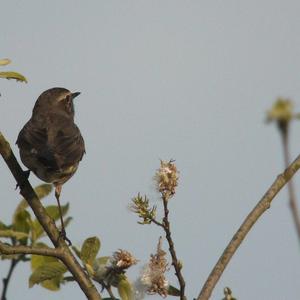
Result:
x=6 y=280
x=108 y=288
x=284 y=130
x=175 y=263
x=157 y=223
x=250 y=220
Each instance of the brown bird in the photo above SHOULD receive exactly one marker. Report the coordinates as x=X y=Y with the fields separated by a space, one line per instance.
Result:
x=50 y=143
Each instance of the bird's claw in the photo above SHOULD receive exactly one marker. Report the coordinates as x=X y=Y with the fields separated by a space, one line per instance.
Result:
x=63 y=235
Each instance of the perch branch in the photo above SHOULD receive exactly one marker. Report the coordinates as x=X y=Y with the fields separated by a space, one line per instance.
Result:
x=47 y=223
x=250 y=220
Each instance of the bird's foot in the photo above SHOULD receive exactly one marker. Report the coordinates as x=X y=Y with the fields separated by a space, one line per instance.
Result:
x=63 y=235
x=26 y=176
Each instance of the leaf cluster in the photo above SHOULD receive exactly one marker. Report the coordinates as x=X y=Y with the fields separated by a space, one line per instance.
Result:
x=25 y=230
x=10 y=74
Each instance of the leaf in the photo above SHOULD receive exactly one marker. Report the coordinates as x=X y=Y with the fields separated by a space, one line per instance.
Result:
x=41 y=191
x=100 y=268
x=53 y=212
x=3 y=226
x=9 y=233
x=69 y=279
x=13 y=75
x=125 y=289
x=89 y=269
x=66 y=222
x=52 y=284
x=77 y=251
x=40 y=260
x=22 y=223
x=90 y=249
x=4 y=61
x=52 y=270
x=173 y=291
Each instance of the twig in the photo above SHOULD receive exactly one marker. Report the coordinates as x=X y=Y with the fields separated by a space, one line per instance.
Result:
x=45 y=251
x=157 y=222
x=175 y=262
x=250 y=220
x=109 y=290
x=47 y=223
x=284 y=130
x=6 y=280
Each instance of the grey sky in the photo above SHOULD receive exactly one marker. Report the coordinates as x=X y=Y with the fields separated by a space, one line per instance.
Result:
x=188 y=80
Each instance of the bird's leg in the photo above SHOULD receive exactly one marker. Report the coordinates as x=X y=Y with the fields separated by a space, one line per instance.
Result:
x=26 y=176
x=62 y=233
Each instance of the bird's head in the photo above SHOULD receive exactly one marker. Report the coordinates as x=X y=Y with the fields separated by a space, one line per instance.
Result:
x=58 y=100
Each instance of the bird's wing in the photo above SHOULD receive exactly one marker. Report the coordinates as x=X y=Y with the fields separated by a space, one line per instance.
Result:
x=68 y=145
x=34 y=139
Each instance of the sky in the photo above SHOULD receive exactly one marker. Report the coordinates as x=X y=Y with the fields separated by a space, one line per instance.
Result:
x=183 y=80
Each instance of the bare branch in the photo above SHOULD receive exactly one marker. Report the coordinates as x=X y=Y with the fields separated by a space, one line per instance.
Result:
x=157 y=222
x=47 y=223
x=175 y=262
x=250 y=220
x=6 y=280
x=45 y=251
x=284 y=130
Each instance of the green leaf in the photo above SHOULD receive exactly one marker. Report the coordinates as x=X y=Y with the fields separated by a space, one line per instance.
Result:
x=13 y=75
x=77 y=251
x=22 y=223
x=100 y=268
x=125 y=289
x=41 y=191
x=4 y=61
x=3 y=226
x=90 y=249
x=9 y=233
x=52 y=270
x=67 y=221
x=52 y=284
x=173 y=291
x=69 y=279
x=53 y=212
x=40 y=260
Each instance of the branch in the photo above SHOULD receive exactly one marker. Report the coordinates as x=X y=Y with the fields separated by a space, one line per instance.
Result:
x=6 y=280
x=175 y=262
x=157 y=222
x=284 y=130
x=109 y=290
x=250 y=220
x=47 y=223
x=9 y=250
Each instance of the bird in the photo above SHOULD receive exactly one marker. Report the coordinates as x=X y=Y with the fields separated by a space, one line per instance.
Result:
x=50 y=143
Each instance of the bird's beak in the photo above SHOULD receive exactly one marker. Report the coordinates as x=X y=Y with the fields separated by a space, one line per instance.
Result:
x=74 y=95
